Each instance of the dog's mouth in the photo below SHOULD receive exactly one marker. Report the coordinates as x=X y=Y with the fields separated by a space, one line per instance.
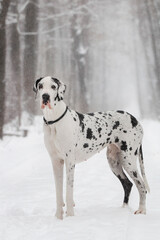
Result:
x=46 y=104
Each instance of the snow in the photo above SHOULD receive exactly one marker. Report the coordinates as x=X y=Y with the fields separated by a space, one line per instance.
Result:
x=27 y=194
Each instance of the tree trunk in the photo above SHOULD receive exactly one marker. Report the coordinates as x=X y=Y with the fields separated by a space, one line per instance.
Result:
x=79 y=51
x=16 y=69
x=149 y=32
x=30 y=53
x=3 y=14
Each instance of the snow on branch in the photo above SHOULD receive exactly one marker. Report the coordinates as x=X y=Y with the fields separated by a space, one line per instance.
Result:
x=23 y=7
x=39 y=32
x=11 y=18
x=77 y=10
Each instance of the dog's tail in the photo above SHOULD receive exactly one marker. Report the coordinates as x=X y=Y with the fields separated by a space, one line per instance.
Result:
x=142 y=169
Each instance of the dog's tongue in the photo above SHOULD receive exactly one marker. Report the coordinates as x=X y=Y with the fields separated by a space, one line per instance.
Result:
x=42 y=106
x=48 y=104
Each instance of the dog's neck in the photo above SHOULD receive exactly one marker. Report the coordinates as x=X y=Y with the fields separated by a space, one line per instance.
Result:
x=56 y=111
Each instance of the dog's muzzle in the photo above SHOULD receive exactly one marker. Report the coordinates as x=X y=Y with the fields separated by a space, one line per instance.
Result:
x=46 y=101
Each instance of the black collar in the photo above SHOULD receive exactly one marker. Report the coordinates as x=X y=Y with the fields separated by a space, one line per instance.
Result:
x=52 y=122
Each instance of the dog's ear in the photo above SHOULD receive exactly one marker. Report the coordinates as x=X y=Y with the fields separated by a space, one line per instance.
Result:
x=61 y=89
x=35 y=89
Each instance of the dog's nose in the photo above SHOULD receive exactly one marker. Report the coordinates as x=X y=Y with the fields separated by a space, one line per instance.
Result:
x=45 y=97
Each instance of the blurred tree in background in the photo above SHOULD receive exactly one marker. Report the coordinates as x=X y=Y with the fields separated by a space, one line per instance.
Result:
x=4 y=4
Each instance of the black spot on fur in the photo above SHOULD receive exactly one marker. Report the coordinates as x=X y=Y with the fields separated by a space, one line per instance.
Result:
x=138 y=182
x=81 y=118
x=94 y=137
x=116 y=139
x=85 y=145
x=127 y=185
x=89 y=133
x=141 y=152
x=135 y=152
x=115 y=126
x=130 y=148
x=58 y=98
x=134 y=121
x=91 y=114
x=124 y=131
x=99 y=130
x=124 y=146
x=56 y=81
x=119 y=111
x=109 y=134
x=135 y=174
x=74 y=119
x=106 y=124
x=108 y=140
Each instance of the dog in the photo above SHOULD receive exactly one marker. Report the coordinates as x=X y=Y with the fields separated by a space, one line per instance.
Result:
x=71 y=137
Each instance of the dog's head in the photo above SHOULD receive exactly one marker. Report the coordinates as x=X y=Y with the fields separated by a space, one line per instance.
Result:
x=51 y=90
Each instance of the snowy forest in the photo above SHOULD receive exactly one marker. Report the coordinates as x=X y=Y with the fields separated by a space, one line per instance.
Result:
x=106 y=51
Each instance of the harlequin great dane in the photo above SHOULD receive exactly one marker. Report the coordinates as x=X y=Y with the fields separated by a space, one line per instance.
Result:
x=71 y=137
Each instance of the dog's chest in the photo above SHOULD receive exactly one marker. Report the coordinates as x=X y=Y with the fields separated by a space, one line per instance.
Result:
x=52 y=142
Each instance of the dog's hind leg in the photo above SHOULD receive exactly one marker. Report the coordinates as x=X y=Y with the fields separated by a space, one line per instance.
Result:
x=116 y=167
x=131 y=169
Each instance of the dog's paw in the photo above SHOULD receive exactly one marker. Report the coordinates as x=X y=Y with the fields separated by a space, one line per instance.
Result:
x=140 y=211
x=59 y=214
x=124 y=205
x=70 y=212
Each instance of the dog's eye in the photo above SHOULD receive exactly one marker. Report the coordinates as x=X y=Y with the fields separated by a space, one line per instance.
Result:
x=53 y=87
x=40 y=86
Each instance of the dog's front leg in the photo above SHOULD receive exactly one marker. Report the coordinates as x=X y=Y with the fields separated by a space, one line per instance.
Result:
x=58 y=176
x=70 y=168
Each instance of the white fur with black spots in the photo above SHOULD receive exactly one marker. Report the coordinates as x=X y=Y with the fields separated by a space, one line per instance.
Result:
x=71 y=137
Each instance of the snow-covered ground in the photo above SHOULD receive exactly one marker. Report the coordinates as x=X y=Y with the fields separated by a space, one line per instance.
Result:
x=27 y=194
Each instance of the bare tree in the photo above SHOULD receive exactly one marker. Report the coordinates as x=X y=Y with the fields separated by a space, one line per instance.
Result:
x=79 y=25
x=3 y=14
x=148 y=15
x=30 y=53
x=16 y=63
